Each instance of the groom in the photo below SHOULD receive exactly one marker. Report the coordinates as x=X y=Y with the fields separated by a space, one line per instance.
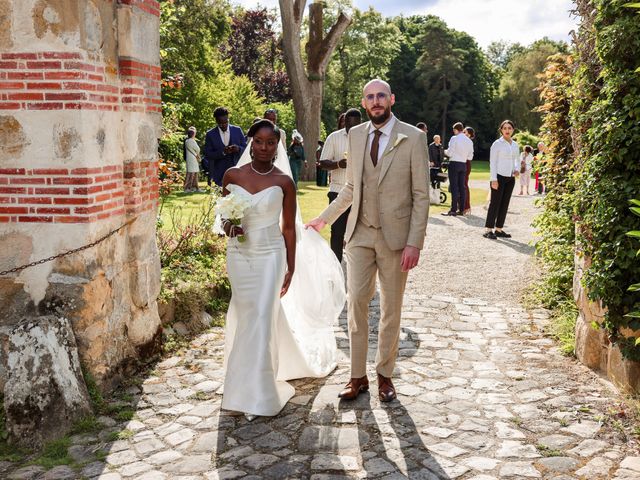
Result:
x=387 y=187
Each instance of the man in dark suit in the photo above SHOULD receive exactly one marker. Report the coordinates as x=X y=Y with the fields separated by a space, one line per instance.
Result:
x=223 y=147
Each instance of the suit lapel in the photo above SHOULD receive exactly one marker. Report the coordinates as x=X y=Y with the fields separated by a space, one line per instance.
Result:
x=389 y=152
x=360 y=145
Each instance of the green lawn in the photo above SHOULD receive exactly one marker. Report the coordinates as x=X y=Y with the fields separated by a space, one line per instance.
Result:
x=479 y=170
x=187 y=207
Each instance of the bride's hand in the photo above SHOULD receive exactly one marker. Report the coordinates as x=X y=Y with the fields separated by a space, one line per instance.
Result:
x=286 y=283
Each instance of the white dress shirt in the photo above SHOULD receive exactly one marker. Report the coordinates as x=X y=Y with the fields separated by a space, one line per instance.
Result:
x=384 y=138
x=335 y=149
x=460 y=148
x=504 y=158
x=224 y=136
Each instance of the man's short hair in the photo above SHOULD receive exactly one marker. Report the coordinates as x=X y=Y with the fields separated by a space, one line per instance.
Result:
x=271 y=110
x=220 y=112
x=458 y=126
x=353 y=113
x=421 y=125
x=436 y=136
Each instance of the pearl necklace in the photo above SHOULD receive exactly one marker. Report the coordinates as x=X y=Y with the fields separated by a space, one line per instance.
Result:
x=261 y=173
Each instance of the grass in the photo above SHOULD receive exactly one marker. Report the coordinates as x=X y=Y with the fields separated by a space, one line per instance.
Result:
x=479 y=170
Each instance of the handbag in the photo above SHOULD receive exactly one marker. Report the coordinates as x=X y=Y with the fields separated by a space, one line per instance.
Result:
x=434 y=196
x=523 y=167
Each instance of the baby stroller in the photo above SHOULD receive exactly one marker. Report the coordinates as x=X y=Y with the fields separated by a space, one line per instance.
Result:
x=437 y=179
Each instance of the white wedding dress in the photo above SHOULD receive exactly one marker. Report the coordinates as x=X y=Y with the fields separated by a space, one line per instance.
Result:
x=269 y=339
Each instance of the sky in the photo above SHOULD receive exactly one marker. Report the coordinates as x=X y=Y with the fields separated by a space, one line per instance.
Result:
x=522 y=21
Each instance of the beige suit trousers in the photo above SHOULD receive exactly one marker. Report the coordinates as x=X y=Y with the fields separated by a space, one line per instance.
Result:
x=367 y=253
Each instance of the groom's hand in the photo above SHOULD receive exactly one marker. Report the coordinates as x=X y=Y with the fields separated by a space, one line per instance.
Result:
x=410 y=257
x=317 y=224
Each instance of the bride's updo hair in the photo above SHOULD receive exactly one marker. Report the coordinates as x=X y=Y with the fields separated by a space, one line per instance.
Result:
x=263 y=123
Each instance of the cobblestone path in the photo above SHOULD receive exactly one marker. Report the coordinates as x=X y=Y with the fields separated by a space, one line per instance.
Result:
x=483 y=395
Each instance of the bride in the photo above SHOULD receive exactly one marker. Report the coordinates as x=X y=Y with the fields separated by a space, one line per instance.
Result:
x=287 y=288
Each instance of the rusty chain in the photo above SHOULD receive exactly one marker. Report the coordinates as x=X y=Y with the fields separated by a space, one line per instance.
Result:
x=64 y=254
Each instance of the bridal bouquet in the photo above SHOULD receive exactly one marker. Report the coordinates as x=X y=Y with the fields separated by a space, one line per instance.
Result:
x=232 y=208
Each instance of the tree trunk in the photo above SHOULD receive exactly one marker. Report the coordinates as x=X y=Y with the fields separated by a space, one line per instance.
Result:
x=307 y=83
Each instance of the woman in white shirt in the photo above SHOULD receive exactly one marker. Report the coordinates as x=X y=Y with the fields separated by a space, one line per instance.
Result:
x=192 y=158
x=504 y=165
x=526 y=164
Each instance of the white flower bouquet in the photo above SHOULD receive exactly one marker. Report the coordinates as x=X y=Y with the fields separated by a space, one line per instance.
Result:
x=232 y=208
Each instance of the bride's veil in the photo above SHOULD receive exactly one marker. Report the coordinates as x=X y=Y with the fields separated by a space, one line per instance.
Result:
x=317 y=293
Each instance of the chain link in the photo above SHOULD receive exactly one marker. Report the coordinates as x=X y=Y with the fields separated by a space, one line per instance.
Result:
x=64 y=254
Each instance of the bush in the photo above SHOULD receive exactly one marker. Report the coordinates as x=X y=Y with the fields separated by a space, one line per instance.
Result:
x=526 y=138
x=170 y=148
x=193 y=263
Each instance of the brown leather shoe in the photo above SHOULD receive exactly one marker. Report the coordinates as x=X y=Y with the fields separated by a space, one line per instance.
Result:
x=354 y=388
x=386 y=390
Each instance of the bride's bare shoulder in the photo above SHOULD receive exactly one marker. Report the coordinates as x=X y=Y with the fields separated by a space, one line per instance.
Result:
x=283 y=179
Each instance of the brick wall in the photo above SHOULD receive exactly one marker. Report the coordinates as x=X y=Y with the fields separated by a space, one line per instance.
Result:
x=66 y=81
x=79 y=195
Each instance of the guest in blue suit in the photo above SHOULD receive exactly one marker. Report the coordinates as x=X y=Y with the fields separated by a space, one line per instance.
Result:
x=223 y=147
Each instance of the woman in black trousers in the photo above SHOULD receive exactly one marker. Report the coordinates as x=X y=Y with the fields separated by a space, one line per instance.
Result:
x=504 y=167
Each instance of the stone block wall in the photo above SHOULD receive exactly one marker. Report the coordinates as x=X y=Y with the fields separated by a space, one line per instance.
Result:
x=80 y=115
x=593 y=347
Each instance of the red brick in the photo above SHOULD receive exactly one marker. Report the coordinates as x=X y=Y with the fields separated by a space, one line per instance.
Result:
x=65 y=75
x=8 y=65
x=103 y=197
x=95 y=77
x=44 y=86
x=88 y=210
x=53 y=211
x=44 y=106
x=110 y=186
x=87 y=190
x=25 y=75
x=26 y=181
x=35 y=219
x=61 y=55
x=41 y=65
x=49 y=171
x=71 y=219
x=65 y=96
x=7 y=199
x=72 y=181
x=73 y=201
x=5 y=219
x=111 y=168
x=11 y=85
x=37 y=200
x=19 y=190
x=51 y=191
x=25 y=96
x=10 y=106
x=12 y=171
x=9 y=210
x=20 y=56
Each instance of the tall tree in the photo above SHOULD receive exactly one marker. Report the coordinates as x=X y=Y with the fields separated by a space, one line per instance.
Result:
x=518 y=96
x=254 y=51
x=501 y=52
x=403 y=75
x=307 y=81
x=441 y=73
x=364 y=52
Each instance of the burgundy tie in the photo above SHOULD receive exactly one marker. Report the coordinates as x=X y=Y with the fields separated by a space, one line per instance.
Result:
x=375 y=145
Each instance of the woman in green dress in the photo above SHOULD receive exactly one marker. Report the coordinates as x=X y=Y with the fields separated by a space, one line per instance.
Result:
x=296 y=156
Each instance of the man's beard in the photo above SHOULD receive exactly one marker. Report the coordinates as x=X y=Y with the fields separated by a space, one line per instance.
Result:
x=379 y=119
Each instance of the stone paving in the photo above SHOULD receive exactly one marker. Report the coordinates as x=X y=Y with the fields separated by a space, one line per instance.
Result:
x=482 y=395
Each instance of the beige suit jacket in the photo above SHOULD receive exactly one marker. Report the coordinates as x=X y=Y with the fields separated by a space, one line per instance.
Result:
x=403 y=186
